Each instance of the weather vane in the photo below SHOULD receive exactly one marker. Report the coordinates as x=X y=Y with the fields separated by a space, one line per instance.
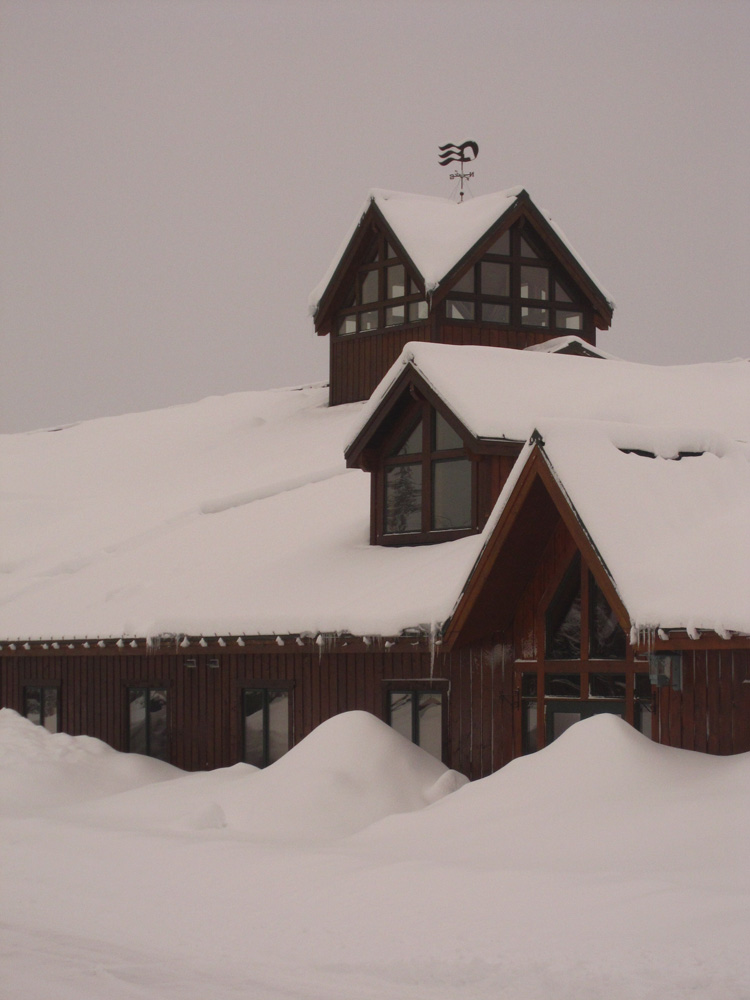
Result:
x=451 y=153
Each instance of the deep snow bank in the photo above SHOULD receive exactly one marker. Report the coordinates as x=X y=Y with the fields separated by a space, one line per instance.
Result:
x=348 y=773
x=39 y=770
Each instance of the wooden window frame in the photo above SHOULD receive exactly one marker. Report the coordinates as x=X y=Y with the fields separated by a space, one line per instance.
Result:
x=42 y=686
x=516 y=260
x=265 y=685
x=415 y=687
x=429 y=455
x=382 y=302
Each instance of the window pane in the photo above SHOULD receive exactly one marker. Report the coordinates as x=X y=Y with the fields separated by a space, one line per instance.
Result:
x=412 y=444
x=50 y=709
x=562 y=685
x=348 y=325
x=526 y=249
x=138 y=722
x=157 y=724
x=495 y=312
x=560 y=294
x=501 y=244
x=368 y=320
x=278 y=724
x=395 y=315
x=403 y=499
x=495 y=278
x=389 y=251
x=395 y=281
x=400 y=712
x=417 y=311
x=606 y=639
x=445 y=437
x=529 y=737
x=569 y=320
x=252 y=710
x=563 y=619
x=562 y=721
x=369 y=287
x=33 y=705
x=456 y=309
x=465 y=284
x=607 y=686
x=534 y=282
x=430 y=716
x=451 y=494
x=534 y=317
x=528 y=685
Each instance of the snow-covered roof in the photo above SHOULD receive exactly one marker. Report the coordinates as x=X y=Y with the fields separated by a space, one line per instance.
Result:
x=231 y=516
x=501 y=393
x=237 y=515
x=436 y=232
x=674 y=533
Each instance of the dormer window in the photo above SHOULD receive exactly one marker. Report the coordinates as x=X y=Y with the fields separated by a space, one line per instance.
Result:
x=382 y=295
x=513 y=284
x=427 y=483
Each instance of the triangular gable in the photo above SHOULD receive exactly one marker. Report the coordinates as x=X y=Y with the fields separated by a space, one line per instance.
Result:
x=409 y=385
x=438 y=239
x=535 y=505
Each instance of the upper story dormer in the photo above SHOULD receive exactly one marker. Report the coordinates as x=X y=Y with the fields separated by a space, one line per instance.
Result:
x=492 y=271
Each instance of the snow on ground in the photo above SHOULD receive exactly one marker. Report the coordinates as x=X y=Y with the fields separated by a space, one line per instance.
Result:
x=603 y=866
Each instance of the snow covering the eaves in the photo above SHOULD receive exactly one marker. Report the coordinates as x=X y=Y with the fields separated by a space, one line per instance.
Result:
x=503 y=393
x=438 y=232
x=674 y=535
x=557 y=344
x=435 y=232
x=235 y=515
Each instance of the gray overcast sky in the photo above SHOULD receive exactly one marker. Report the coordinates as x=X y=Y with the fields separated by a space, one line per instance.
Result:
x=175 y=175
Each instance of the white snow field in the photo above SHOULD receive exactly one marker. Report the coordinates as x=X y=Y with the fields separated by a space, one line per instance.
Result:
x=604 y=866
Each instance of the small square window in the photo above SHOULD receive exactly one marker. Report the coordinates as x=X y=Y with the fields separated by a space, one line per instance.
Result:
x=458 y=309
x=417 y=311
x=368 y=320
x=534 y=282
x=495 y=312
x=534 y=317
x=395 y=315
x=347 y=325
x=569 y=320
x=494 y=278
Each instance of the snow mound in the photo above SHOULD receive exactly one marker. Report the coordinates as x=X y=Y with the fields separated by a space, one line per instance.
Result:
x=348 y=773
x=39 y=770
x=600 y=796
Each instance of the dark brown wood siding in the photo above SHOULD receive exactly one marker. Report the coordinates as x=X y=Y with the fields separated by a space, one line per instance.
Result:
x=712 y=711
x=359 y=362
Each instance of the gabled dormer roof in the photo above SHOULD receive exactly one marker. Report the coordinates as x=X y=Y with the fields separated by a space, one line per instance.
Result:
x=437 y=237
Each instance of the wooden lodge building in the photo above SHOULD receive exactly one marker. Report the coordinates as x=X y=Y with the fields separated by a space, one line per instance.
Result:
x=489 y=530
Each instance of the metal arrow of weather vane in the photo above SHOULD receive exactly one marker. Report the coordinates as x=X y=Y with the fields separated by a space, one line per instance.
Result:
x=451 y=153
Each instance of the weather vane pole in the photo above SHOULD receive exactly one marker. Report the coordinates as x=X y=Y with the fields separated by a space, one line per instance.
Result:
x=451 y=153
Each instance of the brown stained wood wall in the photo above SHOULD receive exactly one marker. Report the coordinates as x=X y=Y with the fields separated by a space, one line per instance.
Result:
x=204 y=703
x=359 y=362
x=712 y=711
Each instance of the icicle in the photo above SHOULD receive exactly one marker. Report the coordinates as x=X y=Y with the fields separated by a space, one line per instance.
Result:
x=185 y=642
x=240 y=641
x=55 y=645
x=299 y=641
x=101 y=644
x=388 y=644
x=692 y=632
x=202 y=642
x=71 y=646
x=120 y=644
x=134 y=644
x=662 y=634
x=12 y=646
x=87 y=645
x=279 y=641
x=366 y=640
x=27 y=645
x=221 y=641
x=45 y=645
x=320 y=641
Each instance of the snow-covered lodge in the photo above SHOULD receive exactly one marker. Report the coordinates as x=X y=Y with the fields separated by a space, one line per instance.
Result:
x=489 y=530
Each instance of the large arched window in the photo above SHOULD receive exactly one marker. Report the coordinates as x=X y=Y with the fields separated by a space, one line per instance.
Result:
x=426 y=483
